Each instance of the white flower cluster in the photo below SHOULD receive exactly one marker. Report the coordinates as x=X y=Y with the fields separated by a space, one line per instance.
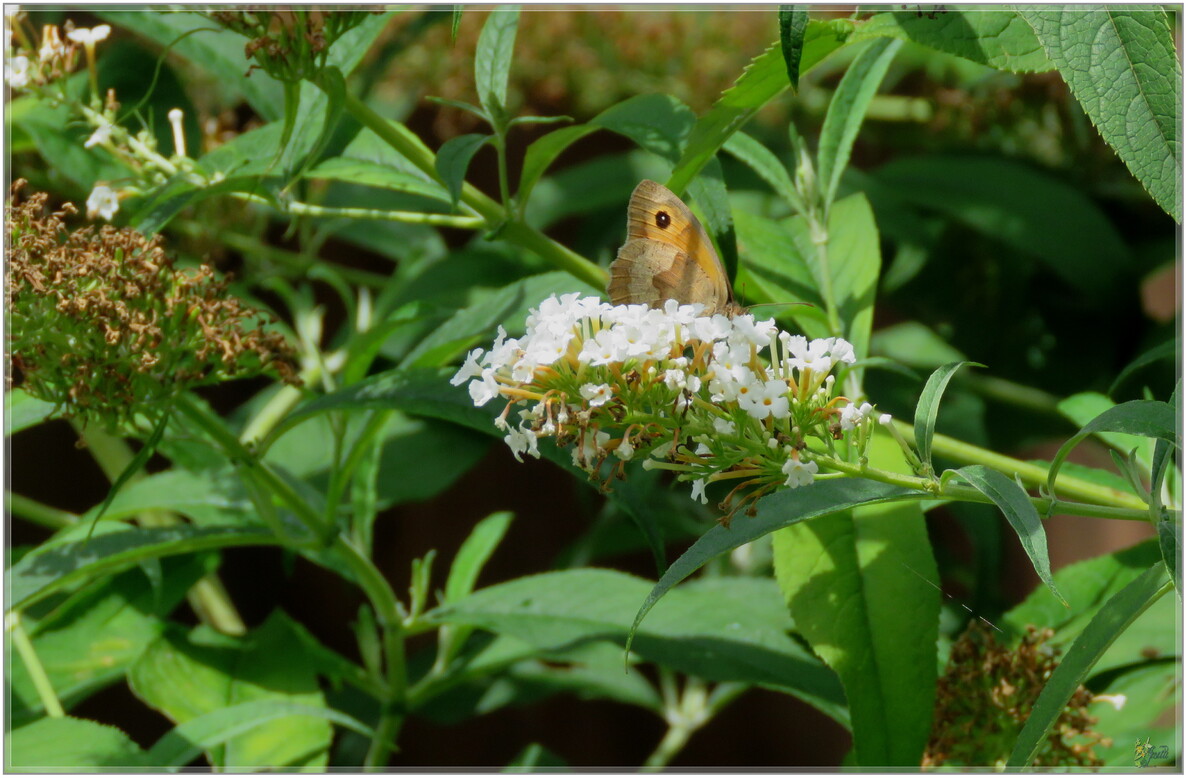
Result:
x=582 y=358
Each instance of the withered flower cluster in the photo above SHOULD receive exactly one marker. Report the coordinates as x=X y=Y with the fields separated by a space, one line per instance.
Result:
x=291 y=43
x=986 y=695
x=102 y=324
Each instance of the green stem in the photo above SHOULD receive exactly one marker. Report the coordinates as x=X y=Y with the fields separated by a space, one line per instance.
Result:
x=39 y=513
x=37 y=674
x=376 y=214
x=1066 y=485
x=236 y=450
x=1013 y=393
x=247 y=244
x=514 y=231
x=387 y=614
x=969 y=494
x=686 y=714
x=369 y=578
x=207 y=596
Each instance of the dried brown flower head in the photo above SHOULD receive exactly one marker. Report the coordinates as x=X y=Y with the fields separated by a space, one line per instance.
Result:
x=987 y=693
x=102 y=323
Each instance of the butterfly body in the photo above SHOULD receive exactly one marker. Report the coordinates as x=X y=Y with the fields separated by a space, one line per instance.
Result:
x=668 y=256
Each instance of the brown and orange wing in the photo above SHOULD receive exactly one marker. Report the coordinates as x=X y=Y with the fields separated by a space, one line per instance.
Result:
x=668 y=254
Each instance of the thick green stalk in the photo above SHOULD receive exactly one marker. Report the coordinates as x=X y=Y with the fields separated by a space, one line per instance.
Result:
x=37 y=674
x=370 y=580
x=514 y=231
x=1065 y=485
x=207 y=596
x=39 y=513
x=953 y=491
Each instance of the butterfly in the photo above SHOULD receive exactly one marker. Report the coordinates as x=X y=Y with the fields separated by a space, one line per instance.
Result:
x=668 y=256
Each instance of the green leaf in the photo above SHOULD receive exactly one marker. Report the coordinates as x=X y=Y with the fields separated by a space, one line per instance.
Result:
x=492 y=61
x=1148 y=418
x=453 y=159
x=1086 y=585
x=775 y=511
x=456 y=22
x=88 y=642
x=69 y=745
x=180 y=192
x=368 y=160
x=929 y=407
x=1168 y=350
x=50 y=568
x=134 y=466
x=846 y=112
x=658 y=123
x=193 y=677
x=1014 y=203
x=1110 y=621
x=990 y=35
x=775 y=270
x=22 y=411
x=1170 y=542
x=854 y=258
x=508 y=306
x=474 y=553
x=1120 y=63
x=763 y=162
x=793 y=21
x=183 y=743
x=1015 y=505
x=762 y=80
x=862 y=588
x=913 y=343
x=725 y=629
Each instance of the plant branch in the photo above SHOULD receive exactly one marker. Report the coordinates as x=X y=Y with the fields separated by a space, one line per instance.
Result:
x=514 y=231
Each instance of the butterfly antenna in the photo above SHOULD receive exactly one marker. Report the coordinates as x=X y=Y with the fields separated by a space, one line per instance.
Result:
x=949 y=596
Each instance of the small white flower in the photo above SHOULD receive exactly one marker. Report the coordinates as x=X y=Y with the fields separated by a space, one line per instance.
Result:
x=884 y=420
x=522 y=441
x=485 y=388
x=16 y=72
x=1116 y=700
x=596 y=394
x=852 y=415
x=103 y=202
x=724 y=426
x=799 y=473
x=625 y=450
x=102 y=134
x=763 y=399
x=470 y=369
x=698 y=491
x=89 y=37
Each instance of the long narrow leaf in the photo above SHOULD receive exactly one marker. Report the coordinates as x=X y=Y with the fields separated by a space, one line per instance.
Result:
x=492 y=61
x=180 y=745
x=1148 y=418
x=847 y=111
x=763 y=79
x=1110 y=621
x=43 y=572
x=793 y=21
x=1015 y=504
x=929 y=406
x=774 y=512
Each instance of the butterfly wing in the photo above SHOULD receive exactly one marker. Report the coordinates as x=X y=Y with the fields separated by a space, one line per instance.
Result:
x=668 y=254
